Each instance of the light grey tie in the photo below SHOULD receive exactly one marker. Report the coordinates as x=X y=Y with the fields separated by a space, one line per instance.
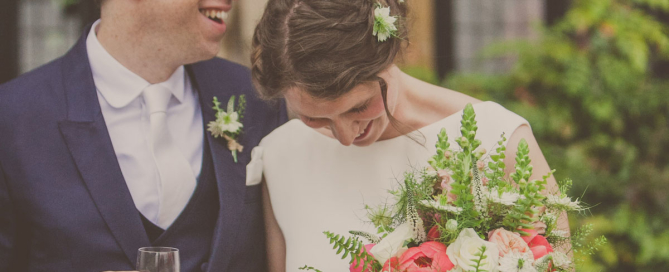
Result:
x=177 y=181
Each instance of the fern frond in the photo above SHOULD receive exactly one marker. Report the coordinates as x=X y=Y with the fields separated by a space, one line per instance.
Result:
x=354 y=249
x=481 y=260
x=309 y=268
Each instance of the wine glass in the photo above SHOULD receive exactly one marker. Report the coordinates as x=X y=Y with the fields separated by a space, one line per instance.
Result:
x=158 y=259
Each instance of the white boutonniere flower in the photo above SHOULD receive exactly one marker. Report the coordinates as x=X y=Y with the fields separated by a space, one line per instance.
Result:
x=384 y=23
x=228 y=123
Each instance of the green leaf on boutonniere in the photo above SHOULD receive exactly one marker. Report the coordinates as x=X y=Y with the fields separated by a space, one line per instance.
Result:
x=228 y=124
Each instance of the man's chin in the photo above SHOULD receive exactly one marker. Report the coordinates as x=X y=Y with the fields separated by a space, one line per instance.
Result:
x=210 y=54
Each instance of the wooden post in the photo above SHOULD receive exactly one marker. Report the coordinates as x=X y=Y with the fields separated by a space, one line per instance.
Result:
x=421 y=50
x=444 y=37
x=555 y=10
x=9 y=28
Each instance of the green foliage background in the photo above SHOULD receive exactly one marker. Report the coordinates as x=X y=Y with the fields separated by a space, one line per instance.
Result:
x=601 y=116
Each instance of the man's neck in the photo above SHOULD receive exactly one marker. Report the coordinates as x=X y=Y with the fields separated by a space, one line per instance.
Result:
x=139 y=56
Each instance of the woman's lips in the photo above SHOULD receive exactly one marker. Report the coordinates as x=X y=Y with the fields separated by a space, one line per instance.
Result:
x=364 y=133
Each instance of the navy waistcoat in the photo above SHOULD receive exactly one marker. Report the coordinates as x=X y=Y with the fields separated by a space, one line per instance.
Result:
x=192 y=232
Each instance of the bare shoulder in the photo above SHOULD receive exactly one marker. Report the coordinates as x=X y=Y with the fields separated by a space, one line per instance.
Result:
x=442 y=101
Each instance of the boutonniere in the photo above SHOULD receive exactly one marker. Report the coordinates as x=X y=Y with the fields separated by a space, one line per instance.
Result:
x=228 y=123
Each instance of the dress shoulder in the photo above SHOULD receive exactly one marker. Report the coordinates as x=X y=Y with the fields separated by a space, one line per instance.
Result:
x=291 y=131
x=493 y=119
x=491 y=113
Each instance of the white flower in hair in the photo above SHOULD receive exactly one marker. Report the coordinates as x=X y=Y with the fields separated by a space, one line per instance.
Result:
x=384 y=23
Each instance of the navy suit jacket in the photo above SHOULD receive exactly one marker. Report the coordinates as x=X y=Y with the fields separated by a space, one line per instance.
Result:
x=64 y=205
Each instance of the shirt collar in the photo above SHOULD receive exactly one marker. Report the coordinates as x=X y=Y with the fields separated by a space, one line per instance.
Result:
x=118 y=85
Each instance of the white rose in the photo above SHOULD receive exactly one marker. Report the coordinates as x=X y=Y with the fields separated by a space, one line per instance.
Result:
x=461 y=252
x=393 y=244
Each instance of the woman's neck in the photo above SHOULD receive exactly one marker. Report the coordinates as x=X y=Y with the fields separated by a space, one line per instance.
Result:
x=420 y=104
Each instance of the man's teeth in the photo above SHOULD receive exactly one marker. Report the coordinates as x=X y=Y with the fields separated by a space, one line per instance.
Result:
x=215 y=14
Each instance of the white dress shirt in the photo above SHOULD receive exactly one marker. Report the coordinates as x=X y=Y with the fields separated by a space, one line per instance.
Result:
x=119 y=93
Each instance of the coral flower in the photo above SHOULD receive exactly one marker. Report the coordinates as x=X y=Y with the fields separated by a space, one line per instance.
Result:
x=428 y=257
x=537 y=243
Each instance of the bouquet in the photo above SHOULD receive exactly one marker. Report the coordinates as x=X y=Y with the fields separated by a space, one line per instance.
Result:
x=462 y=214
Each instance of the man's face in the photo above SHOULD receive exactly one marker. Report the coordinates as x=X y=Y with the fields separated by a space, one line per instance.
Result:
x=184 y=30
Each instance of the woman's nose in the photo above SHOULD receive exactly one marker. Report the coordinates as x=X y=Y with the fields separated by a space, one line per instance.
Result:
x=345 y=131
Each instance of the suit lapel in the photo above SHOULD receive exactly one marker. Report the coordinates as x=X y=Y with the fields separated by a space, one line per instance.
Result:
x=230 y=176
x=87 y=138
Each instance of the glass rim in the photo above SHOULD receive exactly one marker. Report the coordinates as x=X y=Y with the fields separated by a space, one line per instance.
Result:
x=158 y=249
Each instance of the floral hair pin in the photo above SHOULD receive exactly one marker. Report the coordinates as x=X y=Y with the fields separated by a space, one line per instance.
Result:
x=384 y=23
x=228 y=123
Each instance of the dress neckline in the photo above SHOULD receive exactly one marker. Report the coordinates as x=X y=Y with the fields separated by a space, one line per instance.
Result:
x=429 y=126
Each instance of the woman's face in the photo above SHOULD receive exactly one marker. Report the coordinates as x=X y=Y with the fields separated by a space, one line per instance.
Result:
x=358 y=117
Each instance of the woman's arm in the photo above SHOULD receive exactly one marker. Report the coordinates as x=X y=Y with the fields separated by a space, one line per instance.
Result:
x=276 y=245
x=540 y=167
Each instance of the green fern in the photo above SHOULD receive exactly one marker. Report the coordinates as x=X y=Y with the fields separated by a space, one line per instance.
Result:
x=309 y=268
x=480 y=260
x=354 y=249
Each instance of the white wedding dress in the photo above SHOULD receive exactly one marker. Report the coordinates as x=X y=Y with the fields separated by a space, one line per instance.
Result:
x=316 y=184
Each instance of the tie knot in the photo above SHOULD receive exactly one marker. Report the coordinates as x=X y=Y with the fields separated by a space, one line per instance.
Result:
x=156 y=98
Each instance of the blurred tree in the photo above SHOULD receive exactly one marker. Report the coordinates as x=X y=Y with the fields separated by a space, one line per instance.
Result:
x=601 y=115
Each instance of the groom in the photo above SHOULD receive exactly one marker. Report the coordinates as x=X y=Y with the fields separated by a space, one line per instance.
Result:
x=105 y=150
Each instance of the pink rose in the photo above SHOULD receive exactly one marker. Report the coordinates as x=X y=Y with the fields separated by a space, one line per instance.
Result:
x=537 y=243
x=358 y=268
x=428 y=257
x=508 y=242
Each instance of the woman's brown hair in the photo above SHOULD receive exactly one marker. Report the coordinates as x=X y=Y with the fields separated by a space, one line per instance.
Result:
x=323 y=47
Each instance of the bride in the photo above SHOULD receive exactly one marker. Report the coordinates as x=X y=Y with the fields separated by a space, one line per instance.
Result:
x=362 y=122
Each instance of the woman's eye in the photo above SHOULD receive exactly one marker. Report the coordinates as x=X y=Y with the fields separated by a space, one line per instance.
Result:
x=360 y=109
x=308 y=119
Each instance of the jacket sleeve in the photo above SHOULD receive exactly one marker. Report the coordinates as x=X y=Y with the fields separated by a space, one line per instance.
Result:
x=7 y=226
